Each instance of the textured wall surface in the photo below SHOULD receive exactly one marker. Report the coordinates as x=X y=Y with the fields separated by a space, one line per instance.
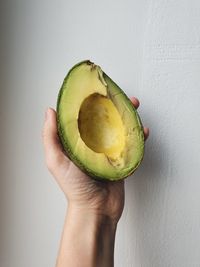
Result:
x=152 y=50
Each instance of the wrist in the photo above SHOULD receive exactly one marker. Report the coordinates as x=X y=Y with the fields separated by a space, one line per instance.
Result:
x=90 y=218
x=94 y=215
x=93 y=236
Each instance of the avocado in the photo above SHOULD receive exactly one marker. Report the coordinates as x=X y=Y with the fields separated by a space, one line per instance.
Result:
x=98 y=126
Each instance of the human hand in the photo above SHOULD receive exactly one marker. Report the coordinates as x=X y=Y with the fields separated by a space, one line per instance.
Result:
x=83 y=193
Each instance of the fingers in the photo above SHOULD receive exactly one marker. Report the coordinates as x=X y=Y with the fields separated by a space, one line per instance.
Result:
x=136 y=104
x=53 y=151
x=146 y=133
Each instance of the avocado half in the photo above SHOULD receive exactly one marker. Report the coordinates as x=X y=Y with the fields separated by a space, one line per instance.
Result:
x=98 y=126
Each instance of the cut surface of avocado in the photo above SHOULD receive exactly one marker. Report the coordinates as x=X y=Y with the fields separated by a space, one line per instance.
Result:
x=98 y=126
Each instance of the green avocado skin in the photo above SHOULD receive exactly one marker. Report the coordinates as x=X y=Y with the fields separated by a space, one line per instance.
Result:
x=66 y=147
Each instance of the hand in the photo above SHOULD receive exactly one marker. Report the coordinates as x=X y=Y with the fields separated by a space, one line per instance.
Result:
x=83 y=193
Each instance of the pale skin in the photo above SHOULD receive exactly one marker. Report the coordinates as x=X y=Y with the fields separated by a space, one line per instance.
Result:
x=94 y=207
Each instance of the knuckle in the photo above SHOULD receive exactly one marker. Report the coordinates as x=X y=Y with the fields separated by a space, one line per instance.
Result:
x=44 y=135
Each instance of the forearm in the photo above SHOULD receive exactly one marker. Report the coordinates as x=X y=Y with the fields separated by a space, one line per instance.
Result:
x=87 y=240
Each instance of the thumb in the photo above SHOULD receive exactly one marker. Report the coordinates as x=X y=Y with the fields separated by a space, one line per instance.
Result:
x=53 y=151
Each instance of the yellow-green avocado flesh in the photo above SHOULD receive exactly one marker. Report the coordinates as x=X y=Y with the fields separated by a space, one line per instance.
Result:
x=98 y=126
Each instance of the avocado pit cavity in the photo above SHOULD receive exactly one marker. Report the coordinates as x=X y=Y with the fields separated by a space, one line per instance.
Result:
x=101 y=127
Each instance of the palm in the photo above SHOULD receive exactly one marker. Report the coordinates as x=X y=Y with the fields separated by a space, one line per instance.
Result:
x=102 y=196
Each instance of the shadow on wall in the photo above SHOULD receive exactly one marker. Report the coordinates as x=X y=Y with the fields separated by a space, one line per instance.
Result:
x=5 y=163
x=145 y=196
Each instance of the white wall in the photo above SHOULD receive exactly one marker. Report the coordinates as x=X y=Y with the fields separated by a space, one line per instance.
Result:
x=152 y=50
